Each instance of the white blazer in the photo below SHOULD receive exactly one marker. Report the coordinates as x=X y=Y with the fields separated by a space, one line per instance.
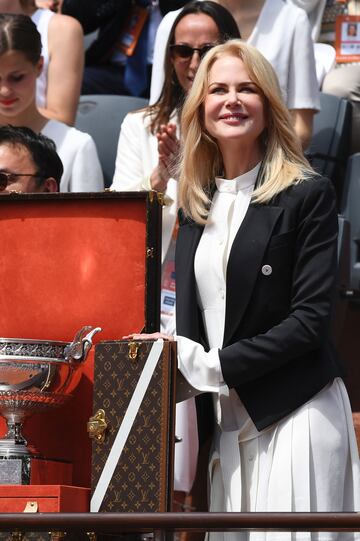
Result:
x=136 y=158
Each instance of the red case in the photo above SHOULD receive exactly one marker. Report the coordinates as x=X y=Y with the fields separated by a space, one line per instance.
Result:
x=47 y=499
x=71 y=260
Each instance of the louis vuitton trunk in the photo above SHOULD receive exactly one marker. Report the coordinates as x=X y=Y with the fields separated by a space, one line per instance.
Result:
x=133 y=426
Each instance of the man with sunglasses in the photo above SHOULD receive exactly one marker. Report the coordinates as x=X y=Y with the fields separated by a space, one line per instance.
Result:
x=28 y=161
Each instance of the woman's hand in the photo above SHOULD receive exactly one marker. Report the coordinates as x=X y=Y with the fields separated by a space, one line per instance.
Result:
x=168 y=149
x=152 y=336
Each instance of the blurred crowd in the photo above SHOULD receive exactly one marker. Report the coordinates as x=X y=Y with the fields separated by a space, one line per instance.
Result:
x=92 y=47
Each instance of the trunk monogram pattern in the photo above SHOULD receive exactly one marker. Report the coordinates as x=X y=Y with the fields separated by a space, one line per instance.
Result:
x=142 y=480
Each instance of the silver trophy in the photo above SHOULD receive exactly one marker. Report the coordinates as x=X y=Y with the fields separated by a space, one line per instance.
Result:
x=36 y=375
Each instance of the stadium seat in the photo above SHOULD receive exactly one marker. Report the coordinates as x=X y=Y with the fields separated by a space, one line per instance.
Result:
x=329 y=147
x=350 y=209
x=101 y=116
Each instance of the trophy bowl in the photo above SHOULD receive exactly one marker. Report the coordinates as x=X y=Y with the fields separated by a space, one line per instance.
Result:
x=36 y=375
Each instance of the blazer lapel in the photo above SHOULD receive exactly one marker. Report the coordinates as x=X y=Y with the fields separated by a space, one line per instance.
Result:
x=187 y=320
x=245 y=258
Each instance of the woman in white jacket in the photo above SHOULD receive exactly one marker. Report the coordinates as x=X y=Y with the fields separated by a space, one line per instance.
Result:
x=148 y=145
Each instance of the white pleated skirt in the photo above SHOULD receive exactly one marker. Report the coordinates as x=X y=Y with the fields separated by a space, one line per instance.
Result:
x=186 y=450
x=308 y=462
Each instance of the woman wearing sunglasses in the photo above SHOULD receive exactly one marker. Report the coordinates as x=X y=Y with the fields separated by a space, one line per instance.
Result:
x=20 y=66
x=281 y=32
x=148 y=145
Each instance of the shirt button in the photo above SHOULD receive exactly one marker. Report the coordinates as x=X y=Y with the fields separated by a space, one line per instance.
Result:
x=222 y=293
x=266 y=270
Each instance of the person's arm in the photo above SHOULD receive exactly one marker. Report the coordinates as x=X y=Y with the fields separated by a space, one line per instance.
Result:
x=308 y=5
x=303 y=96
x=315 y=10
x=201 y=369
x=303 y=124
x=168 y=149
x=65 y=70
x=143 y=160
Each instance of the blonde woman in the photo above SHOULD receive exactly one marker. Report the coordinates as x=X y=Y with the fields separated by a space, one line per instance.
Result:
x=255 y=268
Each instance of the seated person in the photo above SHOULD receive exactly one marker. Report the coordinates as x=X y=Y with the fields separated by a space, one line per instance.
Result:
x=58 y=86
x=28 y=161
x=20 y=66
x=344 y=79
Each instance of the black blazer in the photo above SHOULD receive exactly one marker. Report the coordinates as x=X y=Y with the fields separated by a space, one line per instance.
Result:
x=280 y=284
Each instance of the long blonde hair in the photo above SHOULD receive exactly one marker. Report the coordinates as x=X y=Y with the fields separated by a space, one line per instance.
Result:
x=283 y=160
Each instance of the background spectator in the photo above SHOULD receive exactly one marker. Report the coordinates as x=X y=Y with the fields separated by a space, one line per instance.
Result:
x=28 y=161
x=20 y=65
x=58 y=87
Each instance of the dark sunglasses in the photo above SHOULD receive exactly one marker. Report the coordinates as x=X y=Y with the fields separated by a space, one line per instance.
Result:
x=9 y=178
x=185 y=52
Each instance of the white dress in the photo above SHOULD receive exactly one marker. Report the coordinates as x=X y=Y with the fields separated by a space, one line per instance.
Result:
x=77 y=150
x=306 y=462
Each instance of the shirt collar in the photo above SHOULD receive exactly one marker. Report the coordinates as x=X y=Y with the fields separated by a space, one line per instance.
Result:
x=239 y=183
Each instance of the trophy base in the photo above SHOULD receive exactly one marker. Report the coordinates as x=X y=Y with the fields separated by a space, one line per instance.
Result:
x=29 y=470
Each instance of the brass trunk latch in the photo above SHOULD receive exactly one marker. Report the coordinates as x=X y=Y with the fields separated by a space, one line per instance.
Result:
x=97 y=425
x=133 y=350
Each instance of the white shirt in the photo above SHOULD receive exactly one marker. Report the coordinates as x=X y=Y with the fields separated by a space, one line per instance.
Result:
x=202 y=369
x=77 y=151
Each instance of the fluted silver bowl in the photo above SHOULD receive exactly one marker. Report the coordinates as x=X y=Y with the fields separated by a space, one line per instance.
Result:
x=36 y=375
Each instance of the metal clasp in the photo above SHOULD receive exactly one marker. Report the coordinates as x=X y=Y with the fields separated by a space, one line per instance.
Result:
x=97 y=425
x=31 y=507
x=133 y=350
